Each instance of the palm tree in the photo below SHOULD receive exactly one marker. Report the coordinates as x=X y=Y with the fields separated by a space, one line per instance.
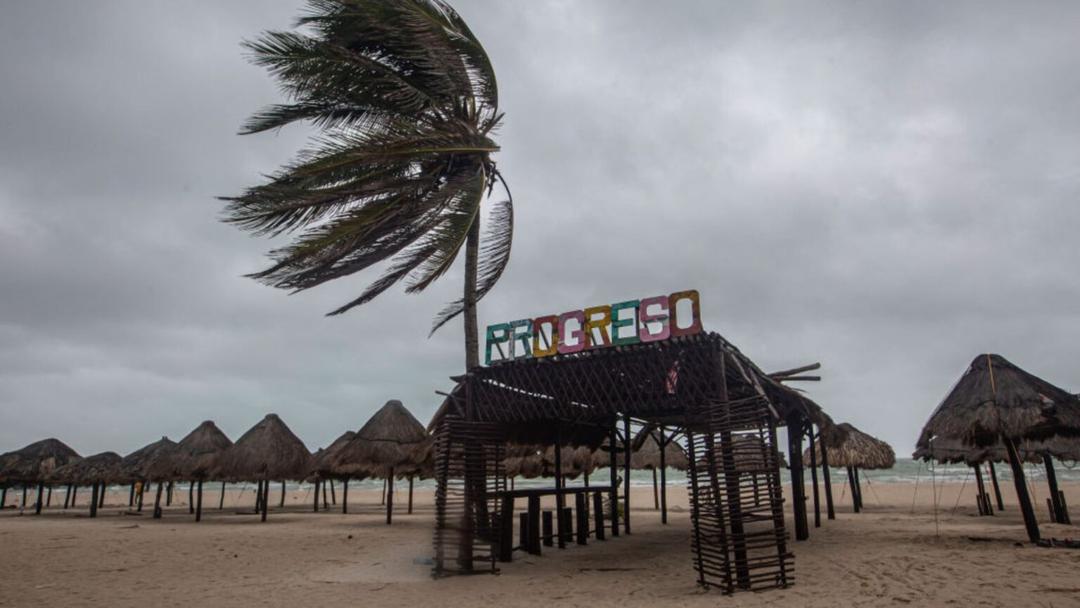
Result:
x=406 y=102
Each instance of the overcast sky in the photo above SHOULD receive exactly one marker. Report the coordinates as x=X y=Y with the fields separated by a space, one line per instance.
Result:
x=887 y=188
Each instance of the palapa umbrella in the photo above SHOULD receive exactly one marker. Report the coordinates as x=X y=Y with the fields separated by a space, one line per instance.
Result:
x=98 y=470
x=850 y=448
x=324 y=470
x=391 y=440
x=33 y=464
x=647 y=455
x=997 y=402
x=525 y=461
x=268 y=451
x=199 y=451
x=158 y=461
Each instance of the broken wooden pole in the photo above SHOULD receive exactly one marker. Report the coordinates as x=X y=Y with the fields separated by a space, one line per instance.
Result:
x=1026 y=509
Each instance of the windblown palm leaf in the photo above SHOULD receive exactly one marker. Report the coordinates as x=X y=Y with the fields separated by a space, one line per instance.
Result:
x=406 y=100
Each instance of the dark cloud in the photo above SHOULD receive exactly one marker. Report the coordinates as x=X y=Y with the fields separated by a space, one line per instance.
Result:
x=887 y=188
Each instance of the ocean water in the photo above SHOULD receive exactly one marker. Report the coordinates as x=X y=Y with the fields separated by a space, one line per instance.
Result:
x=905 y=471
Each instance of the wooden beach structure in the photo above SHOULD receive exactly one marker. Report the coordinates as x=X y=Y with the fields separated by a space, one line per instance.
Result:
x=698 y=385
x=199 y=451
x=851 y=449
x=997 y=403
x=268 y=451
x=33 y=465
x=391 y=441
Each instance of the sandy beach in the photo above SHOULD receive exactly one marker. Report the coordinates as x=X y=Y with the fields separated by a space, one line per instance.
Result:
x=890 y=554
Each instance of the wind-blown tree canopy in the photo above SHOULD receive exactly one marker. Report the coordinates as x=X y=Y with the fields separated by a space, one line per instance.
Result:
x=406 y=100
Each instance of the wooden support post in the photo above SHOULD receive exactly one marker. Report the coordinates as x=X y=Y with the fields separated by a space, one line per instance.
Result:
x=560 y=500
x=40 y=499
x=281 y=503
x=258 y=497
x=101 y=498
x=980 y=497
x=854 y=489
x=612 y=441
x=157 y=502
x=663 y=475
x=598 y=515
x=506 y=528
x=523 y=532
x=547 y=527
x=221 y=499
x=1059 y=514
x=655 y=491
x=798 y=482
x=265 y=500
x=345 y=495
x=48 y=497
x=142 y=493
x=198 y=503
x=826 y=479
x=3 y=498
x=858 y=486
x=410 y=493
x=168 y=494
x=534 y=525
x=67 y=497
x=315 y=503
x=581 y=503
x=131 y=496
x=813 y=478
x=191 y=498
x=1022 y=495
x=628 y=449
x=333 y=494
x=383 y=500
x=1064 y=508
x=325 y=504
x=94 y=501
x=390 y=496
x=566 y=526
x=997 y=488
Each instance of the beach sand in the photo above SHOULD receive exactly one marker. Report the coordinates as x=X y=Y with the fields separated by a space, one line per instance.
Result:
x=890 y=554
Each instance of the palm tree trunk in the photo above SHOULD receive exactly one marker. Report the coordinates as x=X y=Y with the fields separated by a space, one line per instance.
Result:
x=472 y=338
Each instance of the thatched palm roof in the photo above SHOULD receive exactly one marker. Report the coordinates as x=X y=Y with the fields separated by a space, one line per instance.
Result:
x=324 y=456
x=995 y=398
x=391 y=439
x=525 y=461
x=100 y=468
x=850 y=447
x=200 y=450
x=648 y=455
x=269 y=450
x=576 y=461
x=35 y=462
x=158 y=461
x=947 y=450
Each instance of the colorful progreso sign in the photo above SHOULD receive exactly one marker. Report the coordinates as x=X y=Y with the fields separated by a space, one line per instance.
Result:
x=647 y=320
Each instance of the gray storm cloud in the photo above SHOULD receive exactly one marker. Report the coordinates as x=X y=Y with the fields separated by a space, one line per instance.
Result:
x=889 y=189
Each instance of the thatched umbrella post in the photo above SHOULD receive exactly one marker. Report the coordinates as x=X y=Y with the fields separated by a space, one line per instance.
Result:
x=48 y=496
x=315 y=502
x=168 y=494
x=282 y=504
x=40 y=498
x=333 y=496
x=94 y=500
x=102 y=497
x=410 y=493
x=982 y=500
x=265 y=498
x=798 y=482
x=1026 y=509
x=345 y=495
x=142 y=494
x=382 y=497
x=1057 y=508
x=663 y=442
x=157 y=502
x=390 y=496
x=813 y=478
x=997 y=488
x=3 y=498
x=191 y=498
x=221 y=499
x=854 y=488
x=198 y=504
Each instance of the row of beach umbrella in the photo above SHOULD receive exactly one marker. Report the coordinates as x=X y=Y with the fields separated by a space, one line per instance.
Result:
x=391 y=444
